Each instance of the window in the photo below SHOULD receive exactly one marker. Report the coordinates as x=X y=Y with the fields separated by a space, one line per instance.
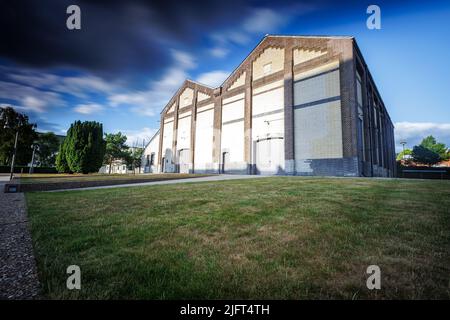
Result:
x=152 y=159
x=359 y=99
x=375 y=123
x=267 y=68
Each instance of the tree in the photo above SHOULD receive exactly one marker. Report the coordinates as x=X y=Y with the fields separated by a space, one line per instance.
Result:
x=115 y=148
x=11 y=122
x=439 y=148
x=84 y=147
x=48 y=145
x=402 y=154
x=61 y=162
x=424 y=155
x=136 y=158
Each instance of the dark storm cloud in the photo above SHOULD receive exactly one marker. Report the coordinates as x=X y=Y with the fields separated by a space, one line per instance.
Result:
x=124 y=35
x=115 y=35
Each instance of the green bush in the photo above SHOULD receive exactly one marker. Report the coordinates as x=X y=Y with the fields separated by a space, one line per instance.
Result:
x=426 y=156
x=83 y=149
x=61 y=162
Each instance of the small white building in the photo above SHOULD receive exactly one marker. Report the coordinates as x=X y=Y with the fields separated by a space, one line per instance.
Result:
x=150 y=155
x=117 y=167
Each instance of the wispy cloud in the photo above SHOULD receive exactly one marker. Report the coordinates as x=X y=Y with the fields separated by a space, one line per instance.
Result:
x=150 y=101
x=79 y=86
x=138 y=138
x=88 y=108
x=264 y=20
x=259 y=22
x=213 y=78
x=28 y=98
x=414 y=132
x=219 y=52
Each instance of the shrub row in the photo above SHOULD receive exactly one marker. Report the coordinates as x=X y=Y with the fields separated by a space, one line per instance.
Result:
x=26 y=169
x=419 y=174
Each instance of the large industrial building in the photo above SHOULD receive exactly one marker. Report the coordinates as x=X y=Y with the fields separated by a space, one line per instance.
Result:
x=297 y=105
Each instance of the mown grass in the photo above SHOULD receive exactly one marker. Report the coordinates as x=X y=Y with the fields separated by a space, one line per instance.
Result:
x=58 y=178
x=280 y=238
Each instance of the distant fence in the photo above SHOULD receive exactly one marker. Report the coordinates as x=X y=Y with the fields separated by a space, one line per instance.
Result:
x=424 y=172
x=26 y=169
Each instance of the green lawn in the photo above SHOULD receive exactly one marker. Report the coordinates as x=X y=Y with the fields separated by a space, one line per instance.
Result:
x=282 y=237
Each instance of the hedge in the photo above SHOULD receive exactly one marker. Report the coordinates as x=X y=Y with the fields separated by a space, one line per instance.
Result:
x=26 y=169
x=430 y=172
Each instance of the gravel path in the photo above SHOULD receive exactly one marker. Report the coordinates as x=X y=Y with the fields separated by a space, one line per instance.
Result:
x=18 y=276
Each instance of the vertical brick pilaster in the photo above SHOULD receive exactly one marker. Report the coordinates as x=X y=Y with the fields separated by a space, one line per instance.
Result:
x=175 y=133
x=161 y=135
x=288 y=109
x=193 y=126
x=349 y=109
x=248 y=119
x=217 y=129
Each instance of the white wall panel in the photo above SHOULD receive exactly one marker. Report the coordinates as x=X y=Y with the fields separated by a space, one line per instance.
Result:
x=204 y=129
x=318 y=131
x=184 y=133
x=233 y=98
x=268 y=101
x=233 y=140
x=233 y=111
x=167 y=145
x=317 y=88
x=317 y=115
x=268 y=114
x=204 y=108
x=152 y=147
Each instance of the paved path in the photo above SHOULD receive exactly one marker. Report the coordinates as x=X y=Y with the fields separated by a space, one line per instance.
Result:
x=18 y=276
x=201 y=179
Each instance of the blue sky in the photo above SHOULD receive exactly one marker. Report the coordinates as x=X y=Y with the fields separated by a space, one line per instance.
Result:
x=130 y=57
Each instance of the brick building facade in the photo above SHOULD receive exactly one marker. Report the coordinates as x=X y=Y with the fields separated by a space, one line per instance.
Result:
x=295 y=106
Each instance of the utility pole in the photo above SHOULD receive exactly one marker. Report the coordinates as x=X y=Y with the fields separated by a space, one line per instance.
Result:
x=32 y=159
x=14 y=156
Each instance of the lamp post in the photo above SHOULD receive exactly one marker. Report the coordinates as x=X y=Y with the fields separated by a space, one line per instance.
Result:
x=403 y=143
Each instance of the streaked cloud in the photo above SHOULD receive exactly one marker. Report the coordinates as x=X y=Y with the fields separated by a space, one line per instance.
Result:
x=150 y=102
x=264 y=20
x=219 y=52
x=138 y=138
x=213 y=78
x=28 y=98
x=79 y=86
x=88 y=108
x=414 y=132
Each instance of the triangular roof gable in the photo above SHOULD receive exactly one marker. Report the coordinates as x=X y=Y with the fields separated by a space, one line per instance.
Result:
x=192 y=85
x=277 y=41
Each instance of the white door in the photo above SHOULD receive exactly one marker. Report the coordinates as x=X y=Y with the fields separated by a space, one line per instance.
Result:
x=269 y=156
x=225 y=161
x=185 y=156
